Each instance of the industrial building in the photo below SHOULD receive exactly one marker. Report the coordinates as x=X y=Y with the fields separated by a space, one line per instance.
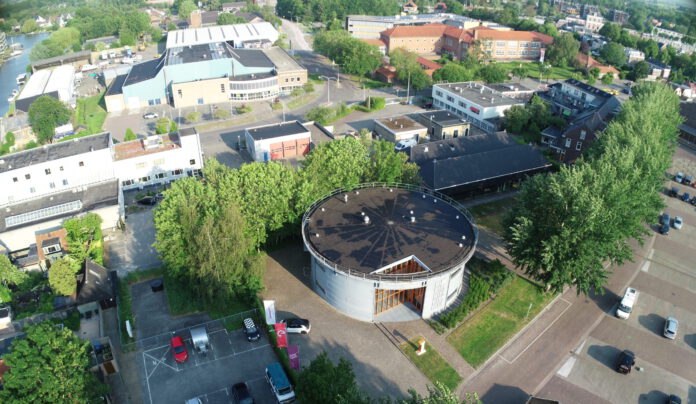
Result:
x=46 y=185
x=210 y=65
x=278 y=141
x=58 y=83
x=481 y=104
x=387 y=253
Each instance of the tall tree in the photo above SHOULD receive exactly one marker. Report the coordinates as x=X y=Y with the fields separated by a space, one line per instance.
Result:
x=229 y=18
x=613 y=53
x=49 y=365
x=388 y=165
x=61 y=277
x=45 y=114
x=611 y=31
x=408 y=70
x=10 y=275
x=640 y=71
x=84 y=238
x=563 y=50
x=493 y=73
x=186 y=7
x=453 y=73
x=324 y=382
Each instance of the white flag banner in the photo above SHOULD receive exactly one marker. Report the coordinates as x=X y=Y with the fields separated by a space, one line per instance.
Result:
x=269 y=308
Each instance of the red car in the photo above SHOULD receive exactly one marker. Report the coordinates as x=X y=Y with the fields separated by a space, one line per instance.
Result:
x=179 y=349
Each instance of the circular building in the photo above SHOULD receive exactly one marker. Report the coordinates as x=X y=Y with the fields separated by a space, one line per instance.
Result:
x=388 y=253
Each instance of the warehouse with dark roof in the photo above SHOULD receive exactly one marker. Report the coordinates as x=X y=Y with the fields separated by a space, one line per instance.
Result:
x=386 y=253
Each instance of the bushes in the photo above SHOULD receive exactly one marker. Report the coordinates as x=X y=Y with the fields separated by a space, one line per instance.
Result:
x=372 y=104
x=282 y=354
x=326 y=115
x=486 y=279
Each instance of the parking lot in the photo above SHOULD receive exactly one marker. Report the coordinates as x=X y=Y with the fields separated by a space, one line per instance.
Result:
x=667 y=287
x=207 y=376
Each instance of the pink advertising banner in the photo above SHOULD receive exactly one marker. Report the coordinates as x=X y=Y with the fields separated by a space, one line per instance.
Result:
x=294 y=354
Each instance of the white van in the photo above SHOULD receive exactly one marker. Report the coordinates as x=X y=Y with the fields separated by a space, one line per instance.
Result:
x=626 y=305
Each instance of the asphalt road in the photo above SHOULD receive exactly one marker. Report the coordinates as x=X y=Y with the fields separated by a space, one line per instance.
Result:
x=295 y=35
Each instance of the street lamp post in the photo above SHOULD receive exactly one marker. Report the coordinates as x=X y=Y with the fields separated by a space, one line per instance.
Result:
x=328 y=87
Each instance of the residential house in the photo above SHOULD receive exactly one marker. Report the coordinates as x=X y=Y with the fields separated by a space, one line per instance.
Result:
x=52 y=244
x=658 y=70
x=96 y=288
x=428 y=65
x=633 y=55
x=589 y=63
x=483 y=105
x=395 y=129
x=378 y=43
x=443 y=124
x=440 y=7
x=233 y=7
x=619 y=17
x=684 y=91
x=386 y=73
x=200 y=18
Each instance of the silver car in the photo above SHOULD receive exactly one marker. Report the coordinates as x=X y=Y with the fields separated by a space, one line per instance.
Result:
x=678 y=222
x=671 y=326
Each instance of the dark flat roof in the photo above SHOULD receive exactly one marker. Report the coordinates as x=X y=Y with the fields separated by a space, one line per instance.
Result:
x=96 y=285
x=252 y=57
x=54 y=151
x=144 y=71
x=469 y=160
x=441 y=118
x=277 y=130
x=92 y=197
x=390 y=236
x=117 y=86
x=61 y=59
x=24 y=103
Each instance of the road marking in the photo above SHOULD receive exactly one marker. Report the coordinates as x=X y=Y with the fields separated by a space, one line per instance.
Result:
x=579 y=348
x=147 y=379
x=567 y=367
x=648 y=260
x=568 y=304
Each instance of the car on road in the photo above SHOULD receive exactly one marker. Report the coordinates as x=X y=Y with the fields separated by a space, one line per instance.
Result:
x=240 y=392
x=297 y=325
x=688 y=180
x=674 y=192
x=671 y=326
x=147 y=201
x=150 y=115
x=402 y=145
x=179 y=349
x=674 y=399
x=693 y=201
x=250 y=330
x=685 y=197
x=678 y=222
x=625 y=362
x=679 y=177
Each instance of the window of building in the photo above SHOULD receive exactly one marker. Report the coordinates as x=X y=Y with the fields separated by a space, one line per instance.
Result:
x=177 y=172
x=14 y=179
x=200 y=101
x=568 y=142
x=450 y=98
x=222 y=88
x=127 y=183
x=82 y=164
x=27 y=176
x=298 y=79
x=52 y=185
x=500 y=43
x=158 y=162
x=500 y=52
x=160 y=175
x=65 y=182
x=47 y=171
x=145 y=179
x=438 y=93
x=578 y=146
x=512 y=53
x=192 y=162
x=287 y=79
x=536 y=44
x=179 y=92
x=462 y=104
x=32 y=190
x=583 y=133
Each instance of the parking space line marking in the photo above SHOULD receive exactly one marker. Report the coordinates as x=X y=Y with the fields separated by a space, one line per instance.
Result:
x=147 y=379
x=568 y=304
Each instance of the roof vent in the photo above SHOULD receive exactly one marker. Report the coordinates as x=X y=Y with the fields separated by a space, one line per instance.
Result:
x=345 y=198
x=366 y=219
x=425 y=149
x=413 y=219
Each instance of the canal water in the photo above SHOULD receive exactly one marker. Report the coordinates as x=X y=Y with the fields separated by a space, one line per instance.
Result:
x=15 y=66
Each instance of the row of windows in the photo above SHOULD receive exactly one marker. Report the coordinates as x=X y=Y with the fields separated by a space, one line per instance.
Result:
x=292 y=79
x=47 y=171
x=159 y=176
x=514 y=44
x=41 y=214
x=155 y=101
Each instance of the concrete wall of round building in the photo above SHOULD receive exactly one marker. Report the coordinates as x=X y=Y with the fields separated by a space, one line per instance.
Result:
x=355 y=296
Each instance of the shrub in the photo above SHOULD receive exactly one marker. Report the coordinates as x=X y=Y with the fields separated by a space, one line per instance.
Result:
x=243 y=109
x=73 y=321
x=221 y=113
x=193 y=117
x=308 y=87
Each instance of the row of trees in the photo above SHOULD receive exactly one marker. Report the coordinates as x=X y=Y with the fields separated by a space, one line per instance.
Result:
x=330 y=10
x=62 y=41
x=354 y=55
x=529 y=120
x=568 y=225
x=209 y=233
x=128 y=23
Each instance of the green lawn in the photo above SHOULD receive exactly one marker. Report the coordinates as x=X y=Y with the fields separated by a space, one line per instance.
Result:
x=90 y=113
x=481 y=336
x=490 y=215
x=431 y=364
x=533 y=70
x=182 y=300
x=301 y=100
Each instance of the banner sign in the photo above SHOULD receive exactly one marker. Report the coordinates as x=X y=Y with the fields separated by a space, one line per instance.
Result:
x=269 y=308
x=294 y=354
x=282 y=335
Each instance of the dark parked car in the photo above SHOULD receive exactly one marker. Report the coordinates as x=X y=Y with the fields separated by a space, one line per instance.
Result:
x=686 y=197
x=664 y=229
x=240 y=392
x=664 y=218
x=674 y=399
x=147 y=201
x=626 y=361
x=674 y=192
x=693 y=201
x=688 y=180
x=252 y=333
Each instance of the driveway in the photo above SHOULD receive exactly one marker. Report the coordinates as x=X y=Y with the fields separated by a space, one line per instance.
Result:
x=380 y=368
x=132 y=249
x=295 y=35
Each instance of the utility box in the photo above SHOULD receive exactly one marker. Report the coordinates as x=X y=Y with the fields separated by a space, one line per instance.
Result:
x=199 y=339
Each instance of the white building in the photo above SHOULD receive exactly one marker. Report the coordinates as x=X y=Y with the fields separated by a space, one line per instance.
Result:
x=483 y=105
x=236 y=35
x=633 y=55
x=278 y=141
x=58 y=82
x=46 y=185
x=594 y=22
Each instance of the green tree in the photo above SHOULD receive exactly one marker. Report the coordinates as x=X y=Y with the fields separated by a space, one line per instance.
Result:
x=85 y=238
x=130 y=135
x=162 y=126
x=45 y=114
x=516 y=119
x=29 y=26
x=46 y=347
x=453 y=73
x=408 y=70
x=126 y=36
x=493 y=73
x=61 y=277
x=10 y=275
x=607 y=79
x=186 y=7
x=567 y=225
x=229 y=19
x=640 y=71
x=193 y=117
x=354 y=55
x=440 y=394
x=324 y=382
x=221 y=113
x=563 y=50
x=520 y=71
x=613 y=53
x=338 y=164
x=388 y=165
x=549 y=28
x=611 y=31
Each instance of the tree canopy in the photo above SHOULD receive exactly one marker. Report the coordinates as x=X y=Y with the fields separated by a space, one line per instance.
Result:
x=567 y=225
x=10 y=275
x=408 y=69
x=329 y=10
x=613 y=53
x=493 y=73
x=324 y=382
x=229 y=18
x=440 y=394
x=61 y=277
x=45 y=114
x=354 y=55
x=563 y=50
x=49 y=365
x=453 y=73
x=59 y=42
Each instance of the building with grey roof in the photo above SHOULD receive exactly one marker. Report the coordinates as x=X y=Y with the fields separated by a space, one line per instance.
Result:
x=278 y=141
x=209 y=66
x=443 y=124
x=386 y=253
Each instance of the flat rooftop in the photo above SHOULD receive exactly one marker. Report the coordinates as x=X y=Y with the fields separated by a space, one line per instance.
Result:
x=277 y=130
x=400 y=124
x=282 y=61
x=441 y=117
x=150 y=145
x=434 y=236
x=198 y=53
x=486 y=95
x=221 y=33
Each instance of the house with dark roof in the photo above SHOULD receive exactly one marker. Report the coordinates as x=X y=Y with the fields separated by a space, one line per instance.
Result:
x=200 y=18
x=96 y=288
x=474 y=164
x=443 y=124
x=587 y=109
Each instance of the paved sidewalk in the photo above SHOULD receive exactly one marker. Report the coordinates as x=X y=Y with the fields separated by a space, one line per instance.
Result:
x=125 y=384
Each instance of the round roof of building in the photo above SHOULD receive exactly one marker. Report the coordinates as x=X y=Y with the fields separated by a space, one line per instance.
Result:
x=370 y=229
